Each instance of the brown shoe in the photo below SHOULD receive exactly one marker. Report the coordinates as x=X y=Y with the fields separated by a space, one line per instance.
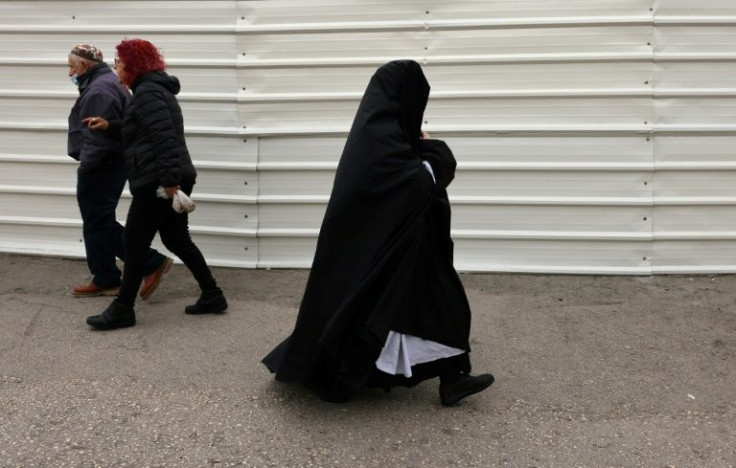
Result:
x=92 y=290
x=151 y=282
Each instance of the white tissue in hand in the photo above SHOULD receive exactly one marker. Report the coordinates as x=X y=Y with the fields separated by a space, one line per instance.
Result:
x=182 y=203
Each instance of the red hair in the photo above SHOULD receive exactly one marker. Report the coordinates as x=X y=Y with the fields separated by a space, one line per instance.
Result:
x=140 y=57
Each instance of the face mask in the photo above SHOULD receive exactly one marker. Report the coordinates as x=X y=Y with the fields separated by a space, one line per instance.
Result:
x=75 y=80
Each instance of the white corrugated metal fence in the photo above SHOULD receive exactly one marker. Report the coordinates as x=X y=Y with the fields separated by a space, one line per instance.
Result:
x=592 y=136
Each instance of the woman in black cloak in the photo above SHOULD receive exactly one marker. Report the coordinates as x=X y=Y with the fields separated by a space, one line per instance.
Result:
x=384 y=305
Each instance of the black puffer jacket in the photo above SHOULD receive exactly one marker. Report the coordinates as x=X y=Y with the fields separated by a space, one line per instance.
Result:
x=153 y=135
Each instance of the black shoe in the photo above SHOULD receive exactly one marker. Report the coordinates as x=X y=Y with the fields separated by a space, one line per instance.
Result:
x=116 y=315
x=467 y=385
x=210 y=302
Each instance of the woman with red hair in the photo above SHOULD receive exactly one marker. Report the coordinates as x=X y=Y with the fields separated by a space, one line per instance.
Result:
x=158 y=165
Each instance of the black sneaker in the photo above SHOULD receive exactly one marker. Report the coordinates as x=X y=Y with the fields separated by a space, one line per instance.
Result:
x=210 y=302
x=116 y=315
x=467 y=385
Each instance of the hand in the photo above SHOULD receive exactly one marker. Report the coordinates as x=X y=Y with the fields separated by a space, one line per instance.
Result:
x=96 y=123
x=425 y=136
x=171 y=191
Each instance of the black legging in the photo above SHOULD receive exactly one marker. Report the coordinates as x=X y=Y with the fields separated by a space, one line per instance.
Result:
x=147 y=215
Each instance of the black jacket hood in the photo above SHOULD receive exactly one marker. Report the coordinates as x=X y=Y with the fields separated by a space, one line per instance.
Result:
x=161 y=77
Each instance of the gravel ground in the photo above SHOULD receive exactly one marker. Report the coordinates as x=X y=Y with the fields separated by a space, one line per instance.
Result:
x=592 y=371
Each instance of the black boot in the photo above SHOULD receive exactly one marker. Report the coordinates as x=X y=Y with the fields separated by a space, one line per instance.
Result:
x=451 y=393
x=211 y=301
x=116 y=315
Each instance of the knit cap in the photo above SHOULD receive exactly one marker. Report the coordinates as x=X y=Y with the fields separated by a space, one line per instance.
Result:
x=87 y=51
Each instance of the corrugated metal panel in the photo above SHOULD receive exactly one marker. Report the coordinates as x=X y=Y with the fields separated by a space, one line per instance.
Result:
x=547 y=106
x=695 y=108
x=592 y=136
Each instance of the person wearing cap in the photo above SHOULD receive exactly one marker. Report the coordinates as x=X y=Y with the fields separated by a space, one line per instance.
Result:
x=101 y=175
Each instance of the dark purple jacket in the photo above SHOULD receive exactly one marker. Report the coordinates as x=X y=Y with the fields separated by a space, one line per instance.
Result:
x=100 y=94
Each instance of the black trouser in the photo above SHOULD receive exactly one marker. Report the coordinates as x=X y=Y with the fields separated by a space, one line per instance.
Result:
x=149 y=214
x=98 y=193
x=448 y=370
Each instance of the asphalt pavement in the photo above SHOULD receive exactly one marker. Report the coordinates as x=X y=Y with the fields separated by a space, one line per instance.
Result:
x=591 y=371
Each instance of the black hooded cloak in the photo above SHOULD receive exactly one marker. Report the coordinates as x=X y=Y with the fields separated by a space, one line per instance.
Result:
x=384 y=258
